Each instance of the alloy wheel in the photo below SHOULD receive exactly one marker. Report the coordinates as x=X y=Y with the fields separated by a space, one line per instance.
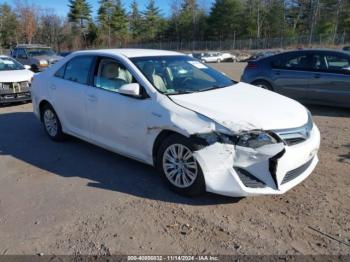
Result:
x=179 y=165
x=50 y=122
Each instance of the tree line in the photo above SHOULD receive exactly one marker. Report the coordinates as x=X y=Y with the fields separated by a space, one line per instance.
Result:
x=188 y=20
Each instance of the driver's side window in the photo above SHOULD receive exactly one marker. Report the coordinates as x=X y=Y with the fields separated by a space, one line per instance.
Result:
x=111 y=75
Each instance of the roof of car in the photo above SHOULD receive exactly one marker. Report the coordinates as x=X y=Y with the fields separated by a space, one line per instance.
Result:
x=317 y=50
x=130 y=53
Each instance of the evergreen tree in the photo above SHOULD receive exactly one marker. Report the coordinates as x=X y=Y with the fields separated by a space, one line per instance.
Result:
x=8 y=26
x=80 y=16
x=112 y=20
x=79 y=13
x=135 y=20
x=152 y=20
x=225 y=19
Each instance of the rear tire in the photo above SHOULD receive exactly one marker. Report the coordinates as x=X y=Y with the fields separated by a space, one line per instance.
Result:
x=263 y=84
x=52 y=124
x=178 y=167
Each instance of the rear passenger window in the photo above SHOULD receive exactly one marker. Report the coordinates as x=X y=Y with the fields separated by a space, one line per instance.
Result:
x=337 y=63
x=77 y=69
x=296 y=61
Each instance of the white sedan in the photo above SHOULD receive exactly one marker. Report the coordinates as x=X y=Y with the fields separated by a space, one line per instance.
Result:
x=217 y=57
x=200 y=129
x=15 y=81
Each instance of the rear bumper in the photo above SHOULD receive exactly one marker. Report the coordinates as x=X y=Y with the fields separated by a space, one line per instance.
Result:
x=15 y=97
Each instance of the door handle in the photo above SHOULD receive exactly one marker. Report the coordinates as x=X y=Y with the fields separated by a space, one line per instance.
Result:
x=317 y=76
x=92 y=98
x=277 y=73
x=53 y=86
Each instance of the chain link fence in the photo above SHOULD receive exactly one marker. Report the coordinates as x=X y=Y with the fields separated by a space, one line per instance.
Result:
x=249 y=44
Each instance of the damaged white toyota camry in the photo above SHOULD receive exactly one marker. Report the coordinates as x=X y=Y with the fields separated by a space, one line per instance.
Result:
x=199 y=128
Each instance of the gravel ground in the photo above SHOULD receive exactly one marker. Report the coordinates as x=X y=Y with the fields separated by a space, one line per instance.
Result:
x=75 y=198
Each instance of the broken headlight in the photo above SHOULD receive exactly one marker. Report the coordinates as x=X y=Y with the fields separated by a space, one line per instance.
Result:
x=255 y=139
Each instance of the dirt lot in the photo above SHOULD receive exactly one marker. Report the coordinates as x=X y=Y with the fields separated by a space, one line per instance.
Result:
x=75 y=198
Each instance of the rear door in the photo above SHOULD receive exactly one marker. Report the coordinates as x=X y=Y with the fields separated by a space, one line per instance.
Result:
x=330 y=83
x=68 y=91
x=291 y=74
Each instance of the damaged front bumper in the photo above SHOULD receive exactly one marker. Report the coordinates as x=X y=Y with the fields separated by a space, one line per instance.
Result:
x=238 y=171
x=15 y=92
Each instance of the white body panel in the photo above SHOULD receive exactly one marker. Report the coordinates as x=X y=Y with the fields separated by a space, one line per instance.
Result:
x=130 y=126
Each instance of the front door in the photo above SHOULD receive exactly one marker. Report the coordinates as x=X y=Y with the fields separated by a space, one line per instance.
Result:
x=117 y=122
x=330 y=83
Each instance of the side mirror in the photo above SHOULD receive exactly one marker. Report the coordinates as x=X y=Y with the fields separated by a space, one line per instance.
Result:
x=27 y=67
x=133 y=89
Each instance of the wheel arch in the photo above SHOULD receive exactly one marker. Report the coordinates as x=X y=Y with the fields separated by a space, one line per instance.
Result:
x=262 y=79
x=158 y=141
x=42 y=104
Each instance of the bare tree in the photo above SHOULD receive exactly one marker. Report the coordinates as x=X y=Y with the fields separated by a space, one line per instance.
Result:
x=27 y=18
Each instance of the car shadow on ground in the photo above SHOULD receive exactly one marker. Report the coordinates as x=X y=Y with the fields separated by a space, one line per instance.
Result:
x=345 y=157
x=318 y=110
x=23 y=138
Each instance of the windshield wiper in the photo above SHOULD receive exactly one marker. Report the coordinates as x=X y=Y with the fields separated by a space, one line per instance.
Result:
x=211 y=88
x=214 y=87
x=180 y=92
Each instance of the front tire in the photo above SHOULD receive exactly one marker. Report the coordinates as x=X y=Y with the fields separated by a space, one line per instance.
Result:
x=178 y=167
x=52 y=124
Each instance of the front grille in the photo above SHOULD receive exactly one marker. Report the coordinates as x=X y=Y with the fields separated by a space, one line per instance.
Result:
x=294 y=140
x=248 y=179
x=16 y=87
x=294 y=136
x=296 y=172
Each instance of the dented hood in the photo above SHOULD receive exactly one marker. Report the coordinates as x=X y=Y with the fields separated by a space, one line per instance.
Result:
x=245 y=107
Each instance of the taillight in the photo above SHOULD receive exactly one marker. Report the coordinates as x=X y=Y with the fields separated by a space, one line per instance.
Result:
x=252 y=66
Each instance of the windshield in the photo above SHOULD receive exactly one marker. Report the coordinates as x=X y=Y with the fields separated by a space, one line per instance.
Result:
x=40 y=51
x=7 y=63
x=180 y=74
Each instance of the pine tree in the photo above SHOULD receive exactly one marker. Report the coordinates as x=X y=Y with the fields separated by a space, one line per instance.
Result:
x=119 y=21
x=225 y=18
x=112 y=20
x=80 y=12
x=8 y=26
x=135 y=20
x=152 y=20
x=80 y=16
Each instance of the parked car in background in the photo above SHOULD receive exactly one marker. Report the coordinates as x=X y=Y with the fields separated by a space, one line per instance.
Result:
x=260 y=55
x=317 y=76
x=38 y=57
x=64 y=54
x=346 y=48
x=198 y=56
x=242 y=57
x=199 y=128
x=217 y=57
x=15 y=80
